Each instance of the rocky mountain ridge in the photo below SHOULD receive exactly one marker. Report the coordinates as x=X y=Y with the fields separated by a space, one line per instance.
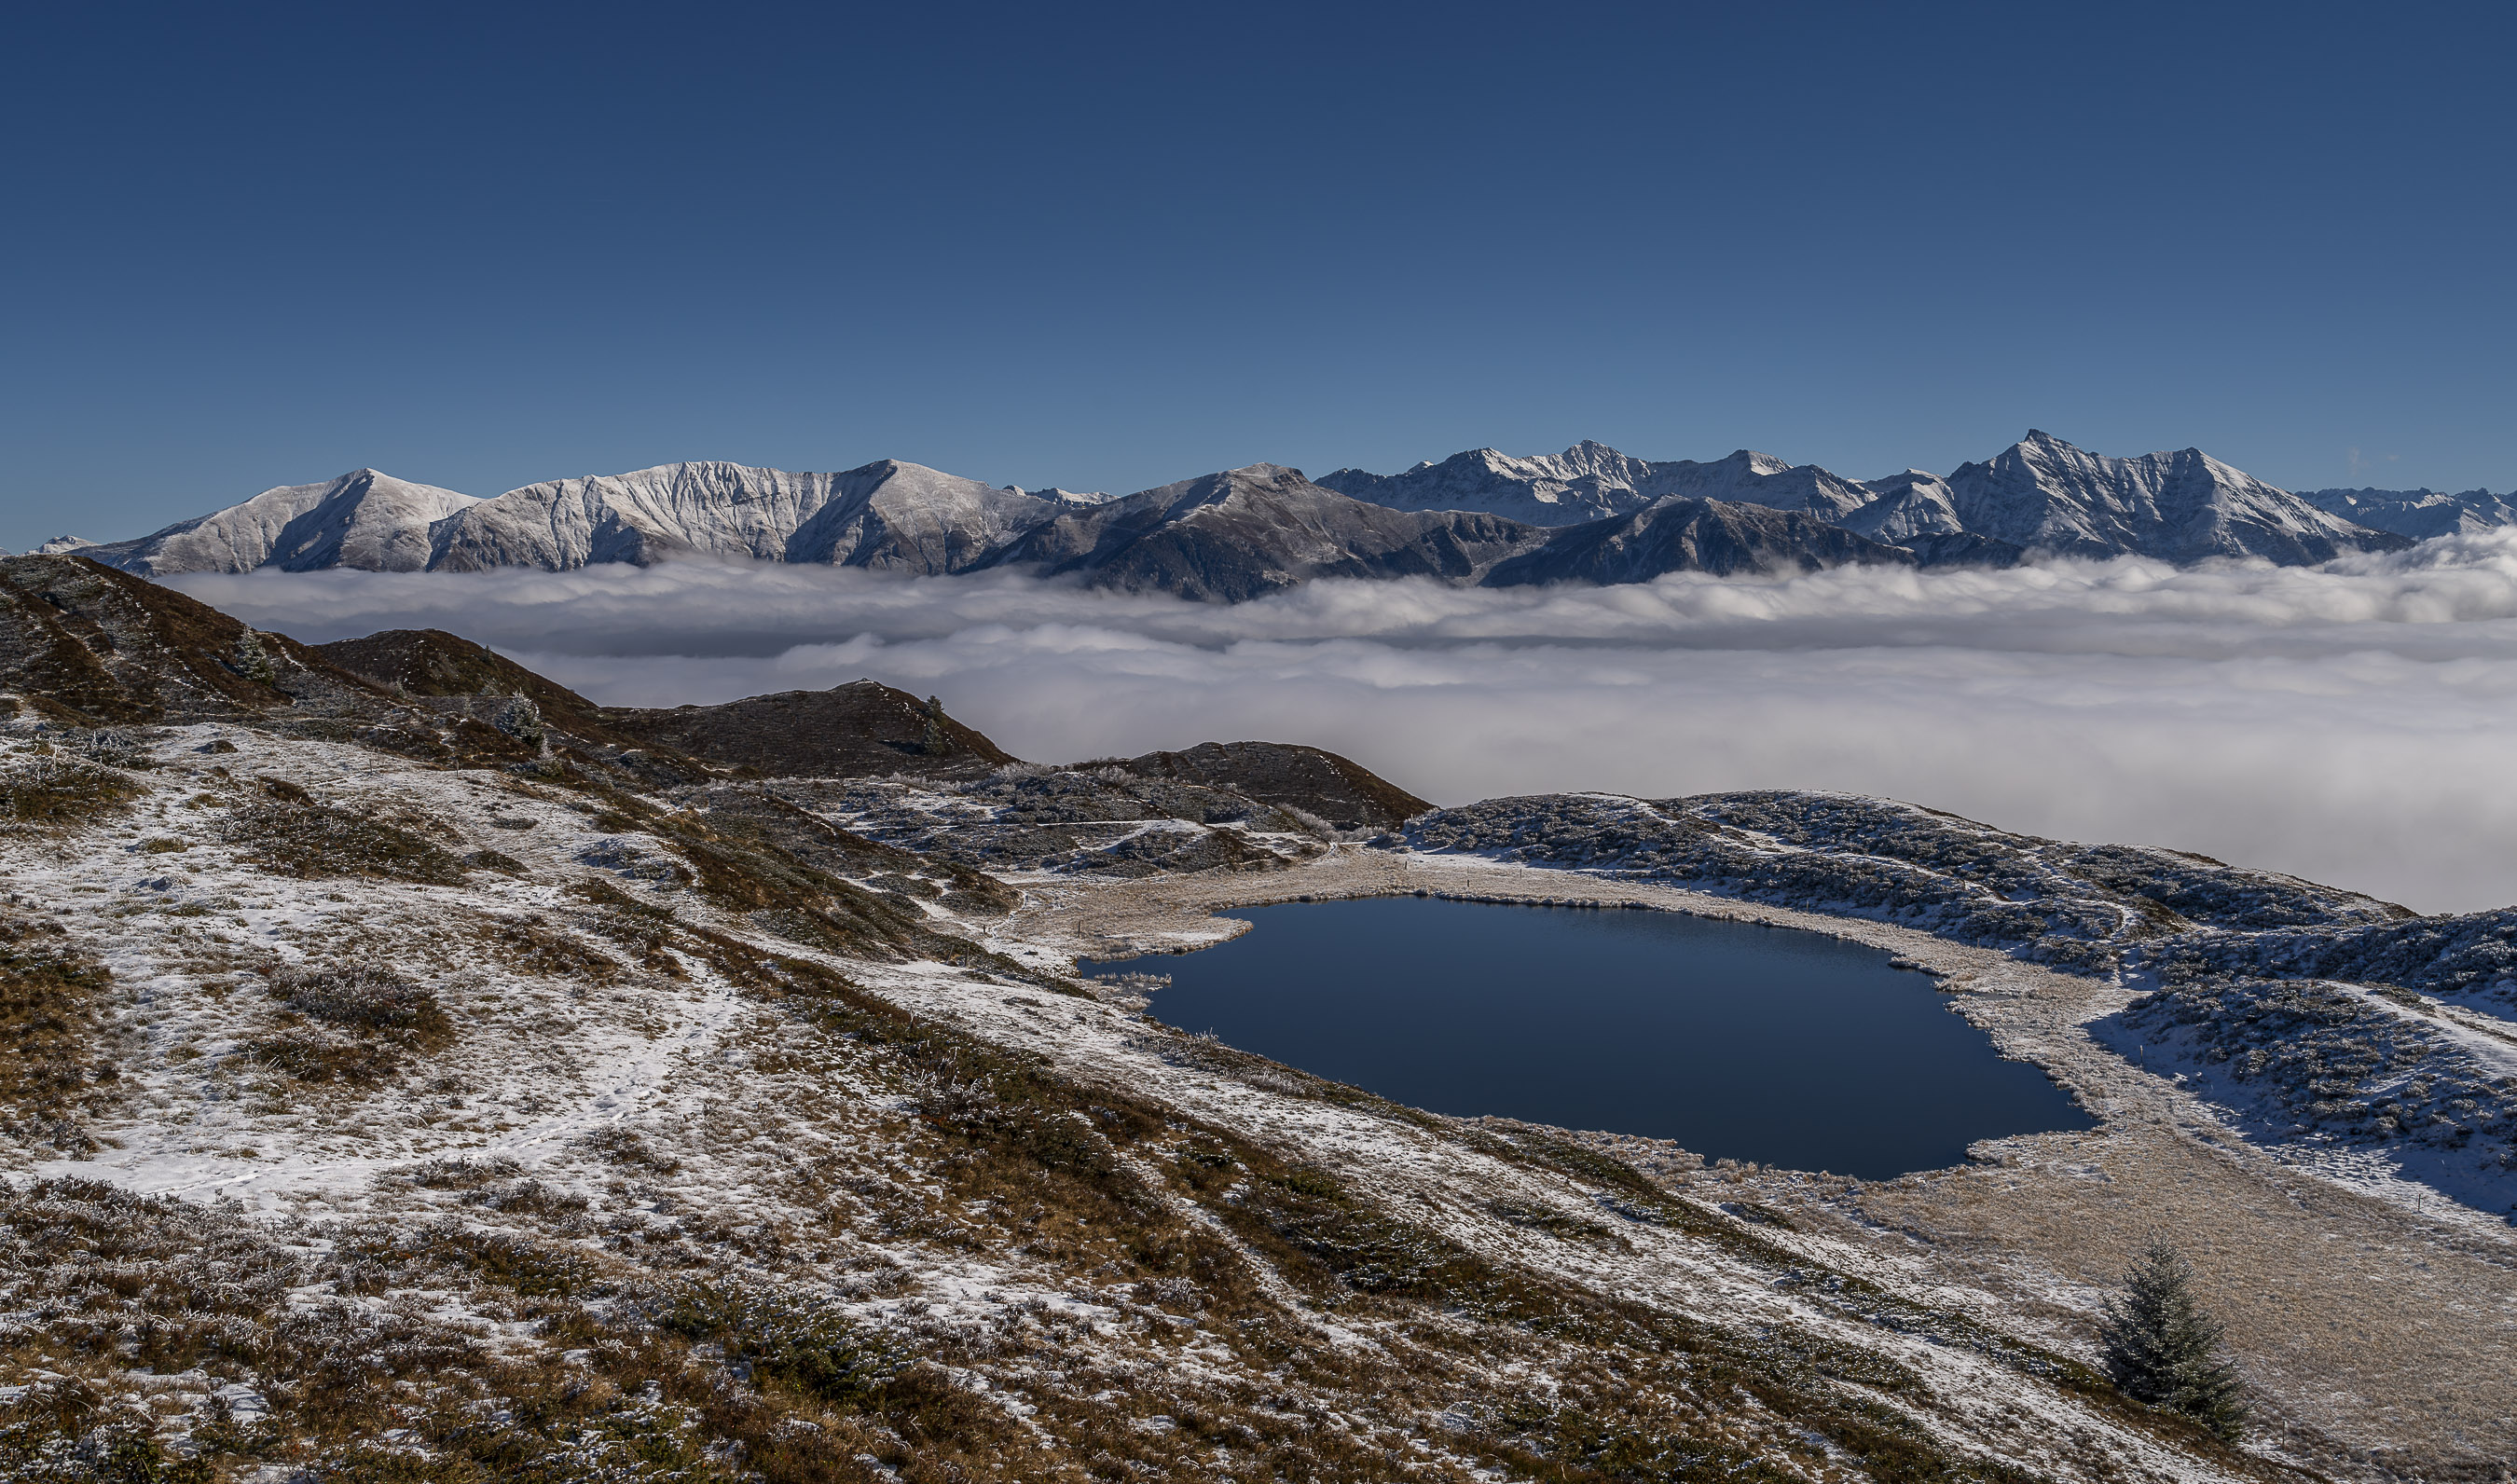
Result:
x=1237 y=534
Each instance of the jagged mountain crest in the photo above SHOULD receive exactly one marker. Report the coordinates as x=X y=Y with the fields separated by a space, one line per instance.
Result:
x=2045 y=495
x=2417 y=514
x=1589 y=481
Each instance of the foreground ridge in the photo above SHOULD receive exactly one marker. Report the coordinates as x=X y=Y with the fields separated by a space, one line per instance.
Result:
x=417 y=1070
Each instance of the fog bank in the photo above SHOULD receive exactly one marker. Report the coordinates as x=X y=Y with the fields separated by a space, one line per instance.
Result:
x=2348 y=723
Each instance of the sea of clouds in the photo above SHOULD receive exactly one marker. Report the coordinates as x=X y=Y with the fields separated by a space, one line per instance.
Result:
x=2351 y=723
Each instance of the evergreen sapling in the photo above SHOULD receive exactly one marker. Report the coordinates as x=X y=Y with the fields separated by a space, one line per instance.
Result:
x=2163 y=1349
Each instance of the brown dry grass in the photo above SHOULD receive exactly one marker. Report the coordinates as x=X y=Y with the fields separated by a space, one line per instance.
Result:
x=2322 y=1295
x=57 y=1058
x=288 y=834
x=54 y=791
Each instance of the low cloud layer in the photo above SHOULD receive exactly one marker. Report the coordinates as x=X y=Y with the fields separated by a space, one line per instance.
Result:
x=2350 y=723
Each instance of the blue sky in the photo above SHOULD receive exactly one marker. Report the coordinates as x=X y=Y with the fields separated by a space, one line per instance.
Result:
x=1109 y=247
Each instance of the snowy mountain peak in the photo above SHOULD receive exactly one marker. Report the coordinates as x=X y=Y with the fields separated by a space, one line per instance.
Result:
x=62 y=545
x=365 y=520
x=1905 y=505
x=889 y=514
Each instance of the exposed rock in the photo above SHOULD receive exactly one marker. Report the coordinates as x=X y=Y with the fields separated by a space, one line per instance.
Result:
x=1336 y=789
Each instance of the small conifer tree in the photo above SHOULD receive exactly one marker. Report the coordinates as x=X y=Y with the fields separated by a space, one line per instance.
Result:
x=253 y=662
x=2163 y=1349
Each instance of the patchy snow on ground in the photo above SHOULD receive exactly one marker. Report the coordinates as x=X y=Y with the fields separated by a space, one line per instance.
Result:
x=485 y=1075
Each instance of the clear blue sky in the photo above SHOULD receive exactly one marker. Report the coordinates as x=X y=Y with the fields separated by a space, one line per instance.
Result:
x=1107 y=246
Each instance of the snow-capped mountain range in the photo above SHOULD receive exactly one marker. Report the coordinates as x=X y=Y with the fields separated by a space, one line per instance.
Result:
x=2418 y=513
x=1233 y=534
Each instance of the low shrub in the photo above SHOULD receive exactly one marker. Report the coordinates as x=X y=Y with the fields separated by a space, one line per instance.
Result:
x=358 y=996
x=51 y=1045
x=461 y=1171
x=312 y=1054
x=51 y=790
x=796 y=1342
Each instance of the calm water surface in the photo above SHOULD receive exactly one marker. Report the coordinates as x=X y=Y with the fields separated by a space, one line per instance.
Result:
x=1753 y=1043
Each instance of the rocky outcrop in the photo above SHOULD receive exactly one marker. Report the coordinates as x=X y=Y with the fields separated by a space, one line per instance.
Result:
x=1246 y=532
x=1335 y=790
x=862 y=729
x=1683 y=535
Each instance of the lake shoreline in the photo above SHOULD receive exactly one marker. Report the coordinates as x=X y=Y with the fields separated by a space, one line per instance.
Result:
x=2368 y=1304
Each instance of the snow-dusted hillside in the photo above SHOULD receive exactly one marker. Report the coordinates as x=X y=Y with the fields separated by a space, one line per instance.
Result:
x=364 y=520
x=410 y=1068
x=2366 y=1030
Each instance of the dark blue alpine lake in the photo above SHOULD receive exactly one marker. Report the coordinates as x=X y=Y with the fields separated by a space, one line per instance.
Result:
x=1736 y=1041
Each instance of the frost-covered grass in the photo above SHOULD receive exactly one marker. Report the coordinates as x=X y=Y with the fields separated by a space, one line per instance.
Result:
x=1086 y=821
x=762 y=1168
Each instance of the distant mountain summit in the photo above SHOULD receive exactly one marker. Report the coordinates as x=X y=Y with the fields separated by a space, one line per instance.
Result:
x=1589 y=514
x=2044 y=495
x=1246 y=532
x=364 y=520
x=2039 y=494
